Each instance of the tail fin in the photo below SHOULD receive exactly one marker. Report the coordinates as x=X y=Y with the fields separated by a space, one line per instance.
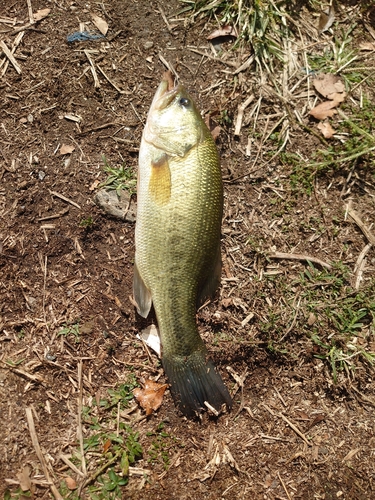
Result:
x=194 y=380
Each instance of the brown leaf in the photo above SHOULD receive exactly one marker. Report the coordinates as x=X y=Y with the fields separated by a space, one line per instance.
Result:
x=106 y=445
x=226 y=30
x=66 y=149
x=70 y=482
x=325 y=109
x=327 y=84
x=367 y=46
x=326 y=19
x=151 y=396
x=214 y=128
x=41 y=14
x=328 y=132
x=100 y=24
x=337 y=97
x=24 y=479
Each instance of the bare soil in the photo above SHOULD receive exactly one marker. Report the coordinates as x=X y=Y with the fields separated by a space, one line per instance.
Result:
x=292 y=432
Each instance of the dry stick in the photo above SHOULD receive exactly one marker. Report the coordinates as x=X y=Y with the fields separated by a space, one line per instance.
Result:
x=79 y=430
x=296 y=256
x=168 y=66
x=62 y=197
x=360 y=265
x=5 y=62
x=283 y=485
x=293 y=321
x=9 y=55
x=43 y=266
x=110 y=81
x=70 y=464
x=227 y=63
x=30 y=9
x=99 y=471
x=93 y=70
x=365 y=230
x=241 y=109
x=38 y=451
x=170 y=29
x=296 y=430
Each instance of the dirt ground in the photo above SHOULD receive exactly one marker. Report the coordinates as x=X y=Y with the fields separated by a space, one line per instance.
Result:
x=293 y=432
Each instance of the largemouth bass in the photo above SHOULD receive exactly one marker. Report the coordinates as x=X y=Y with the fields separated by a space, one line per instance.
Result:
x=177 y=239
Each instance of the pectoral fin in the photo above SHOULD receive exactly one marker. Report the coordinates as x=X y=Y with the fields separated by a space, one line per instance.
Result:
x=142 y=294
x=213 y=279
x=159 y=186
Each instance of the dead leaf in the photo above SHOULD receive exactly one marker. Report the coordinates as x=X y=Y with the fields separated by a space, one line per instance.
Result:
x=326 y=109
x=213 y=127
x=94 y=185
x=70 y=482
x=226 y=30
x=367 y=46
x=24 y=479
x=326 y=19
x=100 y=24
x=151 y=396
x=41 y=14
x=327 y=84
x=337 y=97
x=107 y=445
x=66 y=149
x=327 y=132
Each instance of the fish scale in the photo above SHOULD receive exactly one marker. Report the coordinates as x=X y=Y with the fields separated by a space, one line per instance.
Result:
x=177 y=237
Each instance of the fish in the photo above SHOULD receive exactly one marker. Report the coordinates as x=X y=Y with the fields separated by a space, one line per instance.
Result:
x=177 y=242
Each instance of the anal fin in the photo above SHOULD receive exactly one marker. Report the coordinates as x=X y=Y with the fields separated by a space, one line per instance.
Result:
x=142 y=294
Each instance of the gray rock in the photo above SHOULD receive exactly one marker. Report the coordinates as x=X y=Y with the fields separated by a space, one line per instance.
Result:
x=119 y=205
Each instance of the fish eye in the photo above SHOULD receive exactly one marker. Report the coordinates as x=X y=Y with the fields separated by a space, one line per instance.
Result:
x=184 y=102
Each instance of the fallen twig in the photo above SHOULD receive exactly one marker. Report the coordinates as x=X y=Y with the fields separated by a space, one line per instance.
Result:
x=362 y=226
x=9 y=55
x=62 y=197
x=241 y=109
x=295 y=428
x=38 y=451
x=301 y=257
x=79 y=430
x=93 y=70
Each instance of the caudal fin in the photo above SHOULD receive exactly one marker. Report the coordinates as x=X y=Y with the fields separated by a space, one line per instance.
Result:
x=194 y=380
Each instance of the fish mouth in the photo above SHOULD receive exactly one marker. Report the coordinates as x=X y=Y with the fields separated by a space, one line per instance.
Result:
x=165 y=93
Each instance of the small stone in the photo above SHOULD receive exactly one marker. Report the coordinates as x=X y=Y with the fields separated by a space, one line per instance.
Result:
x=116 y=203
x=148 y=45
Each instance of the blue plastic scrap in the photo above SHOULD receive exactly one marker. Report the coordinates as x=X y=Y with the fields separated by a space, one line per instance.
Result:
x=83 y=36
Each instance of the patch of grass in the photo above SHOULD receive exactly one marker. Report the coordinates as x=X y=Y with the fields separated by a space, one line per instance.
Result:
x=357 y=144
x=18 y=494
x=162 y=443
x=110 y=453
x=320 y=306
x=119 y=179
x=87 y=223
x=71 y=330
x=262 y=24
x=338 y=58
